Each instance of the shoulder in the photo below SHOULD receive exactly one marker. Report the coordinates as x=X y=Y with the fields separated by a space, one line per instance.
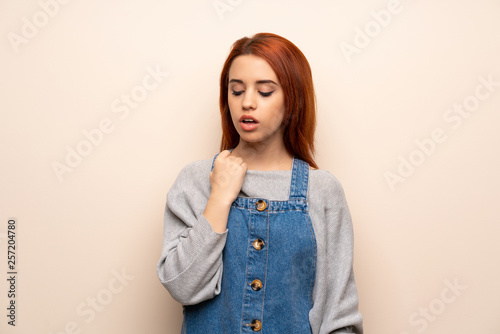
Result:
x=194 y=175
x=324 y=179
x=196 y=168
x=325 y=185
x=190 y=189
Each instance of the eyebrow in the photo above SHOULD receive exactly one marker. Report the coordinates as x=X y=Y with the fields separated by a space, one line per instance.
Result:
x=258 y=81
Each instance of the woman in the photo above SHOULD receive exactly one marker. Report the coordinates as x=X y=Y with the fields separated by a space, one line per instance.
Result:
x=258 y=239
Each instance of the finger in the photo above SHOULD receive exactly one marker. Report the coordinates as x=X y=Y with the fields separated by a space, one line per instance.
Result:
x=224 y=153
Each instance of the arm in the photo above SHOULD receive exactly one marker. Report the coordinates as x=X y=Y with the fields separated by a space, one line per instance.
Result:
x=190 y=266
x=335 y=308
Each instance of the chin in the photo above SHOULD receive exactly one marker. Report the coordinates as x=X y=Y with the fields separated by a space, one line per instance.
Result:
x=250 y=139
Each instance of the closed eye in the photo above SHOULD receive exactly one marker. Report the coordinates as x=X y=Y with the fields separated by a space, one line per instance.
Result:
x=265 y=94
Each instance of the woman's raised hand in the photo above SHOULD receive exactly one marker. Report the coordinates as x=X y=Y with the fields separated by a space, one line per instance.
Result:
x=227 y=177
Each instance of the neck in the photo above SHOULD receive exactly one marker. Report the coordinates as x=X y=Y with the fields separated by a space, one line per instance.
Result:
x=264 y=157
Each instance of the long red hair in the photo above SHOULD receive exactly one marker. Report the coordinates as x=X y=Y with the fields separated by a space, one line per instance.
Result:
x=294 y=74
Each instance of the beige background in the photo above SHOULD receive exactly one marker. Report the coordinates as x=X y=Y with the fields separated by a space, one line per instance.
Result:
x=435 y=226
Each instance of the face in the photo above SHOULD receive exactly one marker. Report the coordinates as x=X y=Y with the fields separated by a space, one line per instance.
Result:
x=254 y=91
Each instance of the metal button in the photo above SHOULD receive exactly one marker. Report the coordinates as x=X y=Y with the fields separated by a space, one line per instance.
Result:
x=256 y=284
x=258 y=244
x=261 y=205
x=256 y=325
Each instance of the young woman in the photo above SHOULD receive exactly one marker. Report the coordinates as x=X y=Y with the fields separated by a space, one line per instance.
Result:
x=258 y=239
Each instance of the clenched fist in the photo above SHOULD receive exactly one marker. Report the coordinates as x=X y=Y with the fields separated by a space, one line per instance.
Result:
x=227 y=176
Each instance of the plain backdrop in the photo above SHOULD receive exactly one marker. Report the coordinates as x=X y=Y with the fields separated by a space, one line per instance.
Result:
x=104 y=102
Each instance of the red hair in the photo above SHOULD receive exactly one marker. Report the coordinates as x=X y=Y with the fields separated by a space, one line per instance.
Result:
x=294 y=74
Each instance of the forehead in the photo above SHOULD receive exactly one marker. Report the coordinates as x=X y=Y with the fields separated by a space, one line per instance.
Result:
x=251 y=68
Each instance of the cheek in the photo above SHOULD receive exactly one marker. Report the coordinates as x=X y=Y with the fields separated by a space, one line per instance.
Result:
x=231 y=104
x=279 y=111
x=232 y=114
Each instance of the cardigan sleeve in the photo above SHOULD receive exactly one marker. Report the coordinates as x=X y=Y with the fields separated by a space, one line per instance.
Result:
x=190 y=266
x=335 y=298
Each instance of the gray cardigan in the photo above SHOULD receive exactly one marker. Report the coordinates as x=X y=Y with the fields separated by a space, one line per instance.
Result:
x=190 y=266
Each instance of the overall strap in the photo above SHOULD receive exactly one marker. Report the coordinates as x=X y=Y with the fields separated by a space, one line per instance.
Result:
x=300 y=179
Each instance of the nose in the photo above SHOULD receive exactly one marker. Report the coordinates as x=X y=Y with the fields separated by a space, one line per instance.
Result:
x=248 y=100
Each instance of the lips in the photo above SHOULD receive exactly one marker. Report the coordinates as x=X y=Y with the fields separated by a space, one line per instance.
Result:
x=248 y=119
x=248 y=123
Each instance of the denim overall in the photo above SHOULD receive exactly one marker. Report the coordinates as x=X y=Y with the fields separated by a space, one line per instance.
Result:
x=269 y=265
